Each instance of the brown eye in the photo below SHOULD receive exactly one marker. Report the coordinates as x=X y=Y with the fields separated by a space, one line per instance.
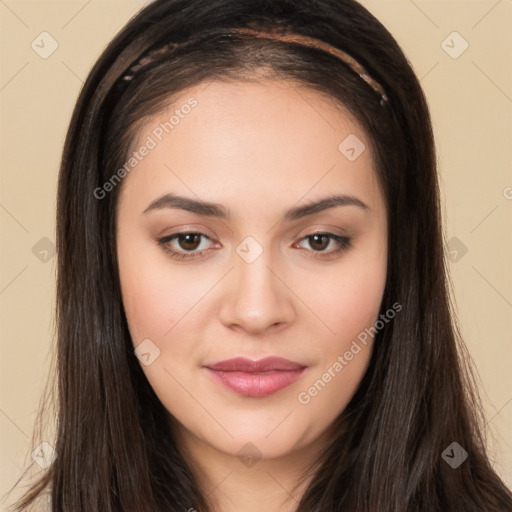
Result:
x=184 y=246
x=319 y=242
x=189 y=241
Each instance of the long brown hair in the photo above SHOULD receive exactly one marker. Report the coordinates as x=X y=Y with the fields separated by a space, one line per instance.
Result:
x=114 y=445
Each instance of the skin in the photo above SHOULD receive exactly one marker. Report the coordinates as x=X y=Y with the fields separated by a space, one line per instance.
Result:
x=258 y=149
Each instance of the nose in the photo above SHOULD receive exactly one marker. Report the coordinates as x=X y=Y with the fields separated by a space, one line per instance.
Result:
x=256 y=299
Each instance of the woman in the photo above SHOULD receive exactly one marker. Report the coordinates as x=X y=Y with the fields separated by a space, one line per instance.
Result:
x=253 y=310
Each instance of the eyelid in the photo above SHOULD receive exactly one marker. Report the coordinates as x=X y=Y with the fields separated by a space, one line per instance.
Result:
x=325 y=228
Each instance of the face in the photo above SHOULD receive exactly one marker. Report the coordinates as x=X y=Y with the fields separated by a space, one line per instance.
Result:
x=227 y=248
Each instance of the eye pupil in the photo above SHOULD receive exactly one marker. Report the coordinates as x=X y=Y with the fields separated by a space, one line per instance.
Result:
x=317 y=240
x=193 y=239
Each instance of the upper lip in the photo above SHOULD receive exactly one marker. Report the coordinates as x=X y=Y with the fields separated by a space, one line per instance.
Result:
x=242 y=364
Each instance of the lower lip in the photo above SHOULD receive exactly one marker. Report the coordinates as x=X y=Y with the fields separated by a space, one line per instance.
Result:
x=256 y=384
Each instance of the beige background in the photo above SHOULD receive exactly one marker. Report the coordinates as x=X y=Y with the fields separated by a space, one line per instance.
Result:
x=471 y=103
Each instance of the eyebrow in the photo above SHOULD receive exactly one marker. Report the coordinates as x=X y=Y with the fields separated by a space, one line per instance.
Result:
x=217 y=210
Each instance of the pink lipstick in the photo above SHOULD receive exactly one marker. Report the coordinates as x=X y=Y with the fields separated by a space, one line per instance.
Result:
x=256 y=378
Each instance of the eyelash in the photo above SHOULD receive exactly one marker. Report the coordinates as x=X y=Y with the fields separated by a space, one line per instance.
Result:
x=344 y=243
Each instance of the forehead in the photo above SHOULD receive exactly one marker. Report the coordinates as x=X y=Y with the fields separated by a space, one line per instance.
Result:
x=275 y=102
x=242 y=141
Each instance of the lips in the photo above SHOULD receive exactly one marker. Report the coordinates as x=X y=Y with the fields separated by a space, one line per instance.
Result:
x=241 y=364
x=256 y=378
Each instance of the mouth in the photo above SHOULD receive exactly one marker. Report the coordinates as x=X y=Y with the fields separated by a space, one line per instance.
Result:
x=256 y=378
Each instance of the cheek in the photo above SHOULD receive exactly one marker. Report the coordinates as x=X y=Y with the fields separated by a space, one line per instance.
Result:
x=156 y=295
x=359 y=301
x=146 y=302
x=348 y=300
x=162 y=304
x=349 y=305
